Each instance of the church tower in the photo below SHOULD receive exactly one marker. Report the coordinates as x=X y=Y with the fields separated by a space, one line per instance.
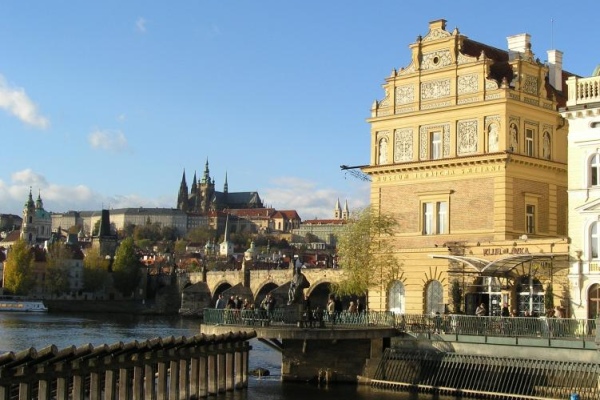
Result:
x=346 y=212
x=37 y=222
x=28 y=231
x=337 y=211
x=182 y=196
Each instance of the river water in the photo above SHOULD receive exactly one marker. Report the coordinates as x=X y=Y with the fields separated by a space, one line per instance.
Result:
x=19 y=331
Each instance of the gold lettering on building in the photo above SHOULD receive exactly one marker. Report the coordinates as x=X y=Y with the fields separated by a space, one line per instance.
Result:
x=499 y=251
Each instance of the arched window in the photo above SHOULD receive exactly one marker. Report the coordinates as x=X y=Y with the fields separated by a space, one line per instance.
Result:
x=594 y=170
x=594 y=240
x=396 y=298
x=594 y=301
x=434 y=297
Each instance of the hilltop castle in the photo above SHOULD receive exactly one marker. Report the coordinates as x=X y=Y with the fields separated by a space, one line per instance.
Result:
x=203 y=198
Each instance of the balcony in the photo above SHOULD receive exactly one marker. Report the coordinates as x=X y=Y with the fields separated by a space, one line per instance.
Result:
x=583 y=90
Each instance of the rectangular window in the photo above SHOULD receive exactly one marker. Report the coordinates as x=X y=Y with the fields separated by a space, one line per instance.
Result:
x=435 y=218
x=436 y=145
x=441 y=223
x=529 y=142
x=530 y=218
x=428 y=218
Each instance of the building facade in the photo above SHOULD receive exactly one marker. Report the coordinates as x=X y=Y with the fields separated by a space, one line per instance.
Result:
x=583 y=114
x=468 y=153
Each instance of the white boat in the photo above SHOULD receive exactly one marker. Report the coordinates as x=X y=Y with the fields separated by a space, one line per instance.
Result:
x=21 y=305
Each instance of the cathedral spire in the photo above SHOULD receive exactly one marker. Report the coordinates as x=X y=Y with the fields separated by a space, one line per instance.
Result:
x=346 y=212
x=206 y=176
x=182 y=196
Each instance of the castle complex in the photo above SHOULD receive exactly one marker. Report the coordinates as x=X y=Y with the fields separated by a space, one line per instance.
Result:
x=203 y=198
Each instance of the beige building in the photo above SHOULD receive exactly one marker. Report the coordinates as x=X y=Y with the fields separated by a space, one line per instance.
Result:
x=469 y=153
x=583 y=114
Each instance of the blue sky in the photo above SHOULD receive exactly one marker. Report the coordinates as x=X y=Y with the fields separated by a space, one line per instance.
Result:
x=105 y=104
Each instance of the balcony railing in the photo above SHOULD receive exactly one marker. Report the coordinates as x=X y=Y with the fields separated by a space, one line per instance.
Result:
x=583 y=90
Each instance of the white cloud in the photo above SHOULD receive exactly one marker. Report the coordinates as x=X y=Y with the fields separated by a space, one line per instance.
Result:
x=140 y=25
x=308 y=200
x=16 y=102
x=108 y=140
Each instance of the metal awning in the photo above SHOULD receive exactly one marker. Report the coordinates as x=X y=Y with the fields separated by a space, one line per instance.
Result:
x=508 y=266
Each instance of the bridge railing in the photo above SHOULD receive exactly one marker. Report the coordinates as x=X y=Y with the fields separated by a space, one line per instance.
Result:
x=285 y=316
x=552 y=328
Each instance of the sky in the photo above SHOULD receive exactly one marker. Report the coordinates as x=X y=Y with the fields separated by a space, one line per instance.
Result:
x=105 y=104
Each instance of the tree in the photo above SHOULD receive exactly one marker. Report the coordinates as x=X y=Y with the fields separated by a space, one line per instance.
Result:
x=456 y=295
x=96 y=228
x=95 y=270
x=57 y=270
x=126 y=267
x=365 y=253
x=18 y=268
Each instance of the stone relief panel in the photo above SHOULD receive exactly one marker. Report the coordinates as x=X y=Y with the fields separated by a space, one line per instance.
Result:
x=407 y=70
x=435 y=89
x=405 y=94
x=424 y=139
x=491 y=84
x=467 y=84
x=530 y=84
x=467 y=137
x=436 y=34
x=403 y=146
x=386 y=100
x=436 y=59
x=464 y=59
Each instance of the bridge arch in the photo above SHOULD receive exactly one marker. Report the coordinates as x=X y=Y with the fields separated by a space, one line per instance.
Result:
x=220 y=287
x=262 y=291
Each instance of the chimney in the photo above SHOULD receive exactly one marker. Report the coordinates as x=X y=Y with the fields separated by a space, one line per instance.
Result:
x=555 y=58
x=518 y=45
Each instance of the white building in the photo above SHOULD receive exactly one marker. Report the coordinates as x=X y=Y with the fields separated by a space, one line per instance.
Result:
x=583 y=115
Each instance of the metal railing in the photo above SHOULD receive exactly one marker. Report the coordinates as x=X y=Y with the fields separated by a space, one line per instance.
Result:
x=281 y=316
x=551 y=328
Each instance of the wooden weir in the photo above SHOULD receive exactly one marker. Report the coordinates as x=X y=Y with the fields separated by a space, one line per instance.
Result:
x=486 y=376
x=161 y=368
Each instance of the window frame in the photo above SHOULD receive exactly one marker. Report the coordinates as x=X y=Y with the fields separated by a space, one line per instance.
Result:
x=434 y=215
x=435 y=145
x=594 y=170
x=530 y=142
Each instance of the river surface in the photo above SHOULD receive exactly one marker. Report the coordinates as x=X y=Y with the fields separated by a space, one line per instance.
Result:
x=20 y=331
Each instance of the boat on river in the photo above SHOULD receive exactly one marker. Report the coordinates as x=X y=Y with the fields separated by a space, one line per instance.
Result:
x=15 y=304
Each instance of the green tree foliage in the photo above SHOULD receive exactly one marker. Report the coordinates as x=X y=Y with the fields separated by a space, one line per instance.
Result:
x=18 y=269
x=365 y=253
x=456 y=294
x=57 y=269
x=95 y=270
x=201 y=234
x=126 y=267
x=96 y=228
x=549 y=298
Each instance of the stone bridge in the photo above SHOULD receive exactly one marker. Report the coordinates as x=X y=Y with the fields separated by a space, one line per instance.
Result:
x=255 y=284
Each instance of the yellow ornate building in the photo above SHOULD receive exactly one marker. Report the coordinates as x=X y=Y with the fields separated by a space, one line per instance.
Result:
x=469 y=154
